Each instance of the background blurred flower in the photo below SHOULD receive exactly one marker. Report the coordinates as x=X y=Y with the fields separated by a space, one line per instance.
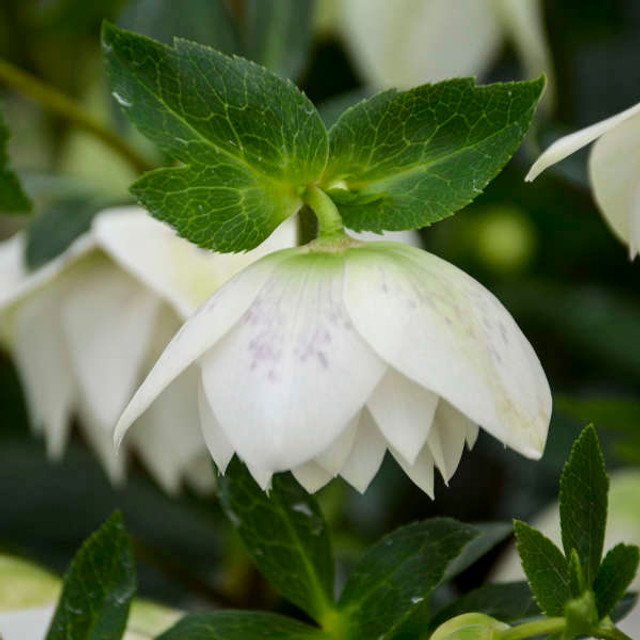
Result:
x=318 y=361
x=614 y=170
x=85 y=329
x=410 y=42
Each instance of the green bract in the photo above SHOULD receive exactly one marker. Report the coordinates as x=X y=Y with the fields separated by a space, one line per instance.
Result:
x=250 y=144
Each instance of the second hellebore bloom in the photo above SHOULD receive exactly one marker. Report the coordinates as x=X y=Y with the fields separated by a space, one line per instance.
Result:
x=320 y=358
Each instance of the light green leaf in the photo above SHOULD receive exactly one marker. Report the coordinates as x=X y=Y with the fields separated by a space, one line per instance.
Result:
x=249 y=139
x=278 y=34
x=545 y=567
x=402 y=160
x=584 y=486
x=98 y=587
x=398 y=573
x=286 y=535
x=12 y=197
x=241 y=625
x=617 y=571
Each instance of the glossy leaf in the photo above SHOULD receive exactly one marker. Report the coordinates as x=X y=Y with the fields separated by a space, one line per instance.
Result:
x=583 y=503
x=398 y=573
x=617 y=571
x=286 y=535
x=248 y=139
x=402 y=160
x=545 y=567
x=12 y=197
x=98 y=587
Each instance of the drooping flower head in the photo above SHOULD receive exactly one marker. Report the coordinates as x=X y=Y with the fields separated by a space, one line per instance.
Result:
x=320 y=359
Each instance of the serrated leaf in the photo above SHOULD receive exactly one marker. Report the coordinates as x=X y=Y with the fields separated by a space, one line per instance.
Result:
x=286 y=535
x=240 y=625
x=584 y=486
x=616 y=573
x=547 y=570
x=402 y=160
x=279 y=34
x=248 y=138
x=12 y=197
x=98 y=587
x=509 y=602
x=398 y=573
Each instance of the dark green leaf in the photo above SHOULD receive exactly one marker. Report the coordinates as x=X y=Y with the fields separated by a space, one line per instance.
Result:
x=206 y=21
x=491 y=534
x=240 y=625
x=583 y=503
x=279 y=34
x=286 y=535
x=546 y=568
x=12 y=197
x=398 y=573
x=509 y=602
x=624 y=607
x=405 y=160
x=98 y=587
x=617 y=571
x=53 y=232
x=248 y=138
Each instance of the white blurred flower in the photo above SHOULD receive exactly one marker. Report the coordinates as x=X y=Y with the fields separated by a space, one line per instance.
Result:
x=318 y=360
x=614 y=170
x=409 y=42
x=86 y=328
x=28 y=600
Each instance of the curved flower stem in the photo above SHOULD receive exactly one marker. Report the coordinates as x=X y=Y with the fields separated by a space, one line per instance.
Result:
x=532 y=629
x=329 y=220
x=60 y=104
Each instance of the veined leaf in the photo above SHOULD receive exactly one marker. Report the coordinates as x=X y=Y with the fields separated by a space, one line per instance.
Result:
x=617 y=571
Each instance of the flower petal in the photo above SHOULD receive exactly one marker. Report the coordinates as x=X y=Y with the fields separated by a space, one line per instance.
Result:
x=614 y=170
x=366 y=455
x=567 y=145
x=403 y=411
x=311 y=476
x=332 y=459
x=106 y=319
x=178 y=271
x=215 y=318
x=421 y=471
x=287 y=379
x=443 y=330
x=217 y=442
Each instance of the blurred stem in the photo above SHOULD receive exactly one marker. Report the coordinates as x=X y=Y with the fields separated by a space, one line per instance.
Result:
x=611 y=634
x=532 y=629
x=55 y=101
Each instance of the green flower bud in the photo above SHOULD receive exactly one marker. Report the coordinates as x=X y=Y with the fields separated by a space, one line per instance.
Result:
x=469 y=626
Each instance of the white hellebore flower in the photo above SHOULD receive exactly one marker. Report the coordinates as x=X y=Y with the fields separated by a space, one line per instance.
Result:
x=318 y=359
x=409 y=42
x=85 y=329
x=614 y=170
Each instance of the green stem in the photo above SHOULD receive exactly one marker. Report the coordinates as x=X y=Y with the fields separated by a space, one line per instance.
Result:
x=329 y=220
x=532 y=629
x=60 y=104
x=610 y=634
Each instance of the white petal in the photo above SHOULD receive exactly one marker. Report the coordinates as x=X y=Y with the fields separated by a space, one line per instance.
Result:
x=287 y=379
x=43 y=365
x=197 y=335
x=472 y=435
x=614 y=169
x=107 y=319
x=261 y=476
x=421 y=471
x=408 y=42
x=447 y=438
x=178 y=271
x=311 y=476
x=366 y=455
x=567 y=145
x=219 y=446
x=332 y=459
x=404 y=411
x=26 y=623
x=442 y=329
x=168 y=437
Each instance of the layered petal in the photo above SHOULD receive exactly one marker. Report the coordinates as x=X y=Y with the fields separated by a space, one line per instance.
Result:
x=614 y=171
x=567 y=145
x=445 y=332
x=286 y=381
